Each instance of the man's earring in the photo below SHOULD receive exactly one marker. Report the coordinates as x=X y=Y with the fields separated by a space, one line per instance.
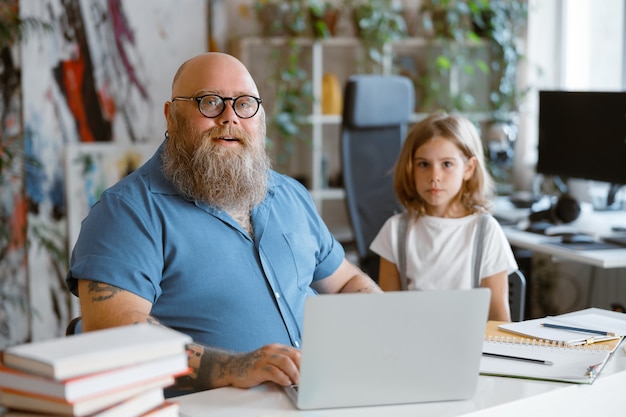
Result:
x=167 y=134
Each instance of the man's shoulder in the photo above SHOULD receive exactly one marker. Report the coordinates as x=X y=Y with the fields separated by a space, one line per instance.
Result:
x=131 y=183
x=278 y=180
x=147 y=179
x=133 y=188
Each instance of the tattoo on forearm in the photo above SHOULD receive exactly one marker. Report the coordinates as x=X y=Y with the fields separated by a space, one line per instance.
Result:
x=243 y=364
x=207 y=366
x=194 y=356
x=102 y=292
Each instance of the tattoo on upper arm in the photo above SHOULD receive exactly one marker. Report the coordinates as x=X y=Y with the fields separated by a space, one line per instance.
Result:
x=152 y=320
x=102 y=292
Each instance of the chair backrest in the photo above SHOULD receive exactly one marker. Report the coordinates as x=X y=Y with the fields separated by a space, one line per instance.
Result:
x=74 y=326
x=517 y=295
x=376 y=114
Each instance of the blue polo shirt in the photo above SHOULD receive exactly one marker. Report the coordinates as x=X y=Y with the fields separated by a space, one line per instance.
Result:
x=203 y=273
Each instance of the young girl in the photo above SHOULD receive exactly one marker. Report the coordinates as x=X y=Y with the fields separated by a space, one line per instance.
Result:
x=441 y=180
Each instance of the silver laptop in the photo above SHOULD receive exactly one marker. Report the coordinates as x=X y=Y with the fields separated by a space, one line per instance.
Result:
x=391 y=348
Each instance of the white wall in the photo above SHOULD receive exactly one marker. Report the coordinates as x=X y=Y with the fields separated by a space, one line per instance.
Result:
x=593 y=45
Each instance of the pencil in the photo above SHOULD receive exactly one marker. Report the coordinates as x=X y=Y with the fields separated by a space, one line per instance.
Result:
x=517 y=358
x=577 y=329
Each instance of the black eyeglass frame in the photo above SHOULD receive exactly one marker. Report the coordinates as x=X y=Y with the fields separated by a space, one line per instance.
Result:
x=199 y=99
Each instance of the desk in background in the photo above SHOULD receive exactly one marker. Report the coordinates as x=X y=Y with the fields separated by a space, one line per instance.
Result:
x=593 y=223
x=602 y=258
x=495 y=397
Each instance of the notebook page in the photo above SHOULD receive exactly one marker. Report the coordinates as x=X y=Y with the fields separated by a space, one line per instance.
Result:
x=575 y=364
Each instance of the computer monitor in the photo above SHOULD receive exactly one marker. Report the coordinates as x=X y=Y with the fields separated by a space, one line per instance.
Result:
x=582 y=134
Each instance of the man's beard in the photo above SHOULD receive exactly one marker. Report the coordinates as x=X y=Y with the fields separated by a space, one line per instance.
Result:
x=231 y=178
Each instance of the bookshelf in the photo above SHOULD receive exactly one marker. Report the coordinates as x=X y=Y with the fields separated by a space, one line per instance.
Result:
x=315 y=160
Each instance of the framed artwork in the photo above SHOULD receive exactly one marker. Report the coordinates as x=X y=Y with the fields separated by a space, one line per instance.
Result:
x=92 y=168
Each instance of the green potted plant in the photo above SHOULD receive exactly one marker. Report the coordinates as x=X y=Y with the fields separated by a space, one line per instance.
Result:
x=477 y=42
x=459 y=28
x=323 y=17
x=292 y=102
x=451 y=55
x=501 y=23
x=293 y=91
x=377 y=23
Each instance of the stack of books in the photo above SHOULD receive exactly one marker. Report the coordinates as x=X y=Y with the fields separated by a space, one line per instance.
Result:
x=116 y=372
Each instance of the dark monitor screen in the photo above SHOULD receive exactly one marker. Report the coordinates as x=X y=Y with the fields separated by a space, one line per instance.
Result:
x=583 y=135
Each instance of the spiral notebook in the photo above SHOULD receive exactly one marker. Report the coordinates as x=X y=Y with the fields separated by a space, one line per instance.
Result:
x=589 y=326
x=536 y=360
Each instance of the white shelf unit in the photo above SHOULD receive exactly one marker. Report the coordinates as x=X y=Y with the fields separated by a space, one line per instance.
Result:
x=319 y=160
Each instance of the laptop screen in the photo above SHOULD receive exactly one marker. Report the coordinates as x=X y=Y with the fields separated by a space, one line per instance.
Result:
x=391 y=348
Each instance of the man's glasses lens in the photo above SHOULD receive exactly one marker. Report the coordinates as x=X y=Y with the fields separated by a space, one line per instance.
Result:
x=244 y=106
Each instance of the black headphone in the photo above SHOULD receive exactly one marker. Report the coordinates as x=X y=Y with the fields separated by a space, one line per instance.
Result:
x=565 y=210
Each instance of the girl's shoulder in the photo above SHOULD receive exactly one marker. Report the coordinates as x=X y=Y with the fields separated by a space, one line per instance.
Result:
x=404 y=217
x=491 y=224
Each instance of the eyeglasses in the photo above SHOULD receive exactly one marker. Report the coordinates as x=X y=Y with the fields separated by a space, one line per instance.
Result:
x=213 y=105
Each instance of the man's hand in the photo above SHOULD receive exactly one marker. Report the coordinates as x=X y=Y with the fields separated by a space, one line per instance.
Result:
x=213 y=368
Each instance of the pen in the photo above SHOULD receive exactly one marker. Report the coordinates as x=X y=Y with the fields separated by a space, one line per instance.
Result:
x=517 y=358
x=577 y=329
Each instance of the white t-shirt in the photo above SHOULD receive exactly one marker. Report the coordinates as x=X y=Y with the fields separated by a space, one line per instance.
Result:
x=440 y=251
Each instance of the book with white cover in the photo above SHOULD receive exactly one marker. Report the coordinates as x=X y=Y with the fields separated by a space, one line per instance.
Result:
x=30 y=403
x=75 y=389
x=86 y=353
x=165 y=409
x=134 y=406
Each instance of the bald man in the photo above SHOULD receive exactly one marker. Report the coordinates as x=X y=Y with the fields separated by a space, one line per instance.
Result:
x=207 y=239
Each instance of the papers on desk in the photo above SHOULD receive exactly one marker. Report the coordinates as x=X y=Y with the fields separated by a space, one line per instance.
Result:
x=575 y=364
x=571 y=330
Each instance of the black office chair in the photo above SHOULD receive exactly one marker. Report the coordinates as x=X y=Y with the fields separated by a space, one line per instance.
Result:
x=375 y=119
x=517 y=295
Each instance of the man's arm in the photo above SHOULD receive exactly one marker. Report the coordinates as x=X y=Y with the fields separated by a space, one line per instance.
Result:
x=347 y=278
x=103 y=305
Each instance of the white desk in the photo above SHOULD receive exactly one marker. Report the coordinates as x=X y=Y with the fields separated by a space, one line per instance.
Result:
x=603 y=258
x=596 y=224
x=495 y=397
